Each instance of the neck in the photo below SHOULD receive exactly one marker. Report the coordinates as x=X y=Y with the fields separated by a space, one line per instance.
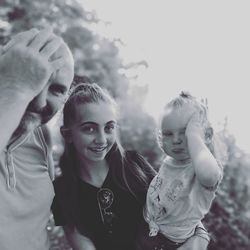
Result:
x=181 y=162
x=93 y=172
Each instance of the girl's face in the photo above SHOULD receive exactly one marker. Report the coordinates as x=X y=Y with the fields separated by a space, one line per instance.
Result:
x=173 y=127
x=94 y=131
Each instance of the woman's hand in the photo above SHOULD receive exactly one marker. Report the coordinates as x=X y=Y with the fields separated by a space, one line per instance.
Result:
x=195 y=243
x=199 y=241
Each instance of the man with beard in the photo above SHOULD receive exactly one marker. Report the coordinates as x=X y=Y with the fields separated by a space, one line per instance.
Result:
x=36 y=71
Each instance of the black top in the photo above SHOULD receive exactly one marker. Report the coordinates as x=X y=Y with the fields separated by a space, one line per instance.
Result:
x=110 y=223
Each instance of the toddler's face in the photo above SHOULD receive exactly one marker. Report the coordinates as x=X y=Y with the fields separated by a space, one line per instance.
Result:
x=173 y=126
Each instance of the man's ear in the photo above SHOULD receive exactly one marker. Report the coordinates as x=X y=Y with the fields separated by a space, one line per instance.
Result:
x=66 y=133
x=209 y=135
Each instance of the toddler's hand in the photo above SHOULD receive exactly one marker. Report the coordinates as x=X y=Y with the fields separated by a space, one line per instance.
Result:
x=195 y=124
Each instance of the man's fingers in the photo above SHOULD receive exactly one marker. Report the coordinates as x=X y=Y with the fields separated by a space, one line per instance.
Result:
x=23 y=37
x=41 y=38
x=51 y=47
x=57 y=63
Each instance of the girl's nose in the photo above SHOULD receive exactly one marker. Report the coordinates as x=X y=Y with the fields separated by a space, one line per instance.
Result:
x=100 y=138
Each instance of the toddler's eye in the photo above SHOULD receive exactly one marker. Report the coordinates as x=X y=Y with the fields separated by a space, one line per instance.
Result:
x=182 y=132
x=167 y=133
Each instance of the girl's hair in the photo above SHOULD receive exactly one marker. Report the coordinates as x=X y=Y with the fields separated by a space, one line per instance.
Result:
x=129 y=170
x=84 y=93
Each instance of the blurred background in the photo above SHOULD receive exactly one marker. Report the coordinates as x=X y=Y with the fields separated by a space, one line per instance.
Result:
x=146 y=52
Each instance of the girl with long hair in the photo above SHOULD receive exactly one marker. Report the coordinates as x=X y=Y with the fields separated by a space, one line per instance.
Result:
x=102 y=190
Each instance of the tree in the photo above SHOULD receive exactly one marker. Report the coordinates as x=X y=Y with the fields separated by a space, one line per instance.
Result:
x=228 y=219
x=97 y=57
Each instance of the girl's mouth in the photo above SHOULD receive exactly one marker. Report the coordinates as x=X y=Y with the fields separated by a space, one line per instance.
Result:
x=98 y=149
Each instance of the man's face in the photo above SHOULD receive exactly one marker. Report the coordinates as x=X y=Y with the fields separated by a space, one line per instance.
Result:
x=44 y=106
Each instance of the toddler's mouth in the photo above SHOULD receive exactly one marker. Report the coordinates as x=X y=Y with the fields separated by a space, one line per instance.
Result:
x=178 y=150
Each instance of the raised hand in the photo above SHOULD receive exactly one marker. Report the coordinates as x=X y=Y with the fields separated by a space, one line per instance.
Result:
x=196 y=123
x=25 y=63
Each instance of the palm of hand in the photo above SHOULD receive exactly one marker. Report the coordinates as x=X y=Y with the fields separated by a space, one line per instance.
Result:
x=24 y=65
x=196 y=124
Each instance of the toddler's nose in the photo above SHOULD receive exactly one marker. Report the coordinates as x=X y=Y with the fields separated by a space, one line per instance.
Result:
x=177 y=139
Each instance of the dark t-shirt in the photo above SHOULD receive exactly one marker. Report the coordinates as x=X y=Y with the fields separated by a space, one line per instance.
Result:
x=110 y=223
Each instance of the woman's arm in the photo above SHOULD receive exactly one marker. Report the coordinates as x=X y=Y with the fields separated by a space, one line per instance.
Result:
x=76 y=240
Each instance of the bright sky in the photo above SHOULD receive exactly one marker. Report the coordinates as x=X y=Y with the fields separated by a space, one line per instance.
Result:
x=199 y=46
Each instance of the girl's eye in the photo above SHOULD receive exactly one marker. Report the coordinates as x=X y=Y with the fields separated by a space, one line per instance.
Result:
x=88 y=129
x=109 y=128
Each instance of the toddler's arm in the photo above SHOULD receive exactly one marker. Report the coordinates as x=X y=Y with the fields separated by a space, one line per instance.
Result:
x=205 y=165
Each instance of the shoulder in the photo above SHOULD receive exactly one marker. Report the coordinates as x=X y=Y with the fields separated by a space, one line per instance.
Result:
x=59 y=183
x=63 y=189
x=134 y=157
x=131 y=154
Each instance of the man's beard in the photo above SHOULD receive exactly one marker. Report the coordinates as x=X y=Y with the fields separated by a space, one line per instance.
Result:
x=28 y=123
x=33 y=118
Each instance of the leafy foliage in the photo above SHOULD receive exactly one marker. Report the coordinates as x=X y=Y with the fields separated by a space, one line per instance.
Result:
x=97 y=57
x=229 y=216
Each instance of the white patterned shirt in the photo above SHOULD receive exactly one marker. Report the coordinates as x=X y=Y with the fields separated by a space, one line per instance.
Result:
x=176 y=201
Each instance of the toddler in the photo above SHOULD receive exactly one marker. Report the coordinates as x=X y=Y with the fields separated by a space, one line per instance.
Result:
x=180 y=195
